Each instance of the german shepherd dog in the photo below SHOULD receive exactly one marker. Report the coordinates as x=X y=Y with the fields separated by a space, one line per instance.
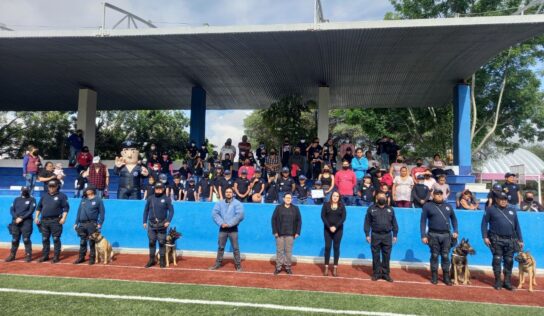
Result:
x=104 y=250
x=171 y=252
x=526 y=264
x=459 y=271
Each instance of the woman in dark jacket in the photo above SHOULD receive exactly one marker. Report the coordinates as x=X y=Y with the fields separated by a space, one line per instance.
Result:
x=286 y=225
x=333 y=214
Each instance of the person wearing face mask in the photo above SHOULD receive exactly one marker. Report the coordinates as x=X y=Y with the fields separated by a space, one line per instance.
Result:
x=346 y=182
x=84 y=159
x=440 y=219
x=394 y=170
x=326 y=178
x=167 y=165
x=248 y=168
x=381 y=231
x=529 y=204
x=228 y=214
x=298 y=163
x=158 y=214
x=330 y=152
x=285 y=152
x=203 y=154
x=21 y=210
x=261 y=154
x=192 y=153
x=244 y=148
x=152 y=151
x=418 y=169
x=302 y=145
x=228 y=148
x=272 y=162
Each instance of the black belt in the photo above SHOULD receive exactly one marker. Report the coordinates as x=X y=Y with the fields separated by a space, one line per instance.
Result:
x=50 y=218
x=381 y=233
x=501 y=236
x=432 y=231
x=87 y=222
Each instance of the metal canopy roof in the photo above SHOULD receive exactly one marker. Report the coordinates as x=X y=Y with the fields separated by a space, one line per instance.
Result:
x=365 y=64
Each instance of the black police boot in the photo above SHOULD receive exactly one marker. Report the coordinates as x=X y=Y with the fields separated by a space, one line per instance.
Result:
x=11 y=256
x=56 y=259
x=28 y=257
x=508 y=282
x=288 y=270
x=162 y=262
x=150 y=263
x=216 y=266
x=91 y=260
x=80 y=259
x=43 y=259
x=446 y=278
x=434 y=277
x=277 y=271
x=498 y=282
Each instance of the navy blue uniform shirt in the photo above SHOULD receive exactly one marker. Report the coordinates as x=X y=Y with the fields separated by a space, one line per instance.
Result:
x=439 y=216
x=91 y=210
x=159 y=208
x=511 y=190
x=502 y=221
x=23 y=207
x=53 y=205
x=285 y=185
x=381 y=220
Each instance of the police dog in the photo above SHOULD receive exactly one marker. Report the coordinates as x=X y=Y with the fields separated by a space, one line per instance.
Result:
x=104 y=251
x=459 y=271
x=526 y=264
x=171 y=252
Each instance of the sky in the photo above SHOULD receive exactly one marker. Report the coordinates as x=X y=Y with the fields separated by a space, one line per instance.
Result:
x=87 y=14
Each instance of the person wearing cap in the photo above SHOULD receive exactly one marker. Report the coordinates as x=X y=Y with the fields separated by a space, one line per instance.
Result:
x=98 y=176
x=241 y=187
x=380 y=220
x=302 y=190
x=192 y=153
x=318 y=186
x=205 y=187
x=286 y=227
x=257 y=187
x=163 y=178
x=158 y=214
x=191 y=191
x=346 y=182
x=420 y=192
x=441 y=235
x=21 y=211
x=89 y=219
x=248 y=167
x=130 y=172
x=366 y=192
x=495 y=191
x=512 y=189
x=228 y=214
x=502 y=233
x=286 y=184
x=225 y=183
x=50 y=215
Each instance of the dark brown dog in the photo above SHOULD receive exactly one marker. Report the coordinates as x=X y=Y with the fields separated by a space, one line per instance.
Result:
x=171 y=252
x=526 y=264
x=459 y=271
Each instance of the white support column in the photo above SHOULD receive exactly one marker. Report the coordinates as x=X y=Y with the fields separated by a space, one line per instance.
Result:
x=86 y=117
x=323 y=101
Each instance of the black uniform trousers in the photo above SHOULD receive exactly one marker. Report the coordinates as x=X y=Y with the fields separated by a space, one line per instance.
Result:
x=502 y=249
x=156 y=234
x=333 y=239
x=440 y=244
x=129 y=194
x=24 y=229
x=84 y=230
x=51 y=227
x=381 y=245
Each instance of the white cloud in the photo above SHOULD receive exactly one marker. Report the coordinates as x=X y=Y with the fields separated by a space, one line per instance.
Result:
x=221 y=125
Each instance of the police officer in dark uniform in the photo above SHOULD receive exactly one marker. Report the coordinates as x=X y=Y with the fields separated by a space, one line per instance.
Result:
x=493 y=194
x=286 y=184
x=158 y=214
x=89 y=219
x=53 y=208
x=502 y=233
x=380 y=219
x=511 y=188
x=130 y=177
x=21 y=210
x=437 y=215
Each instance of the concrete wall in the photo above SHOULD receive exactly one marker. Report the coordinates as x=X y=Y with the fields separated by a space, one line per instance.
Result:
x=123 y=227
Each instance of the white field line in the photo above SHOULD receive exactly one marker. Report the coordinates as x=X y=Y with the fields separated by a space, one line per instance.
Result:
x=201 y=302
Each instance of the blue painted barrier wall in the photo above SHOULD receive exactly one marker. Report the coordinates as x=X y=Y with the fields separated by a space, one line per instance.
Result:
x=123 y=228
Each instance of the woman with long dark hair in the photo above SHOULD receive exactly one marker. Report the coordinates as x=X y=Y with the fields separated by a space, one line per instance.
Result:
x=333 y=214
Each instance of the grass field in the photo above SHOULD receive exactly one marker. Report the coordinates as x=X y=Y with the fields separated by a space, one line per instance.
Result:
x=46 y=304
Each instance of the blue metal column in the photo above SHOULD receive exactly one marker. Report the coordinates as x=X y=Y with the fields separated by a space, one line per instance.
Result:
x=462 y=151
x=198 y=115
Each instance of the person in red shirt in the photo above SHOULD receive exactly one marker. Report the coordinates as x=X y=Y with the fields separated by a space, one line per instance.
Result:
x=346 y=180
x=84 y=159
x=387 y=178
x=248 y=167
x=418 y=169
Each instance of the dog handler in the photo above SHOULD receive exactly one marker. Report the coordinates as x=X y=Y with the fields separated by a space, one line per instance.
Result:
x=89 y=219
x=21 y=214
x=437 y=215
x=501 y=232
x=158 y=214
x=53 y=208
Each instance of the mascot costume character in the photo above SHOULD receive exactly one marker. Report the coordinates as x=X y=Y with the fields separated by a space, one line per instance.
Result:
x=130 y=171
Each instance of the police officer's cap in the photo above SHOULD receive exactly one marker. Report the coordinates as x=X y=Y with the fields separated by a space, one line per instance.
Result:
x=438 y=192
x=128 y=144
x=509 y=174
x=163 y=178
x=497 y=187
x=206 y=171
x=191 y=179
x=159 y=185
x=302 y=177
x=258 y=170
x=367 y=176
x=420 y=177
x=90 y=187
x=318 y=182
x=52 y=183
x=502 y=196
x=25 y=188
x=285 y=169
x=227 y=172
x=244 y=171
